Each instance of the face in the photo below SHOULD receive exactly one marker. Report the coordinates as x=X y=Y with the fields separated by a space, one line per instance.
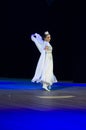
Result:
x=48 y=38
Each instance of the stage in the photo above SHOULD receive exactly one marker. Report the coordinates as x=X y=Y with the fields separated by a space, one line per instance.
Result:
x=65 y=103
x=25 y=94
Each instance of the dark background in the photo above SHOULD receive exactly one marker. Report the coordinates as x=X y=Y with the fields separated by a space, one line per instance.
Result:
x=64 y=20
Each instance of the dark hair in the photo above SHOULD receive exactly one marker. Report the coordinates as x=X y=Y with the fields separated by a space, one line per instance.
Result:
x=45 y=34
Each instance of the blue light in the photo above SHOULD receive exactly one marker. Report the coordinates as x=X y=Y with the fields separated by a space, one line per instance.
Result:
x=27 y=85
x=40 y=120
x=26 y=119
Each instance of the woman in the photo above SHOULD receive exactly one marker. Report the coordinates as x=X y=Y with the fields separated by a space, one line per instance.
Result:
x=44 y=70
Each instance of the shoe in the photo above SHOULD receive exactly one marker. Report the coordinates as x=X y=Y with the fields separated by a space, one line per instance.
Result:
x=49 y=87
x=46 y=88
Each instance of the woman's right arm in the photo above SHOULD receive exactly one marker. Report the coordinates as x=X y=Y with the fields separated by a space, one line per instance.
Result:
x=37 y=42
x=33 y=38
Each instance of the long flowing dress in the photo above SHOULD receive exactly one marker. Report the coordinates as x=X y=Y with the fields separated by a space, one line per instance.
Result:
x=44 y=70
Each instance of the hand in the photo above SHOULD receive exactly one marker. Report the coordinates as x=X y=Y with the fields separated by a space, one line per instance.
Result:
x=33 y=35
x=36 y=34
x=46 y=48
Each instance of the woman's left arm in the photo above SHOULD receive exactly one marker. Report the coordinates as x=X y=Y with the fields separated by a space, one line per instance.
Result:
x=46 y=48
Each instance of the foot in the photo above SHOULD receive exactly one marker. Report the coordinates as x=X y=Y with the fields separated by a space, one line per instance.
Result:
x=46 y=88
x=49 y=87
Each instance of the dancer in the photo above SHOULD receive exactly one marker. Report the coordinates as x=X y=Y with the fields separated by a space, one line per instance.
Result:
x=44 y=70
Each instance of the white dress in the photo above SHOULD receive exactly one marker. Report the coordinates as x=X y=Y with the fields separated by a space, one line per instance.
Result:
x=44 y=69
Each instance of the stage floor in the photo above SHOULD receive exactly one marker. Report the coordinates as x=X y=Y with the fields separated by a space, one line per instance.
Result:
x=25 y=94
x=23 y=104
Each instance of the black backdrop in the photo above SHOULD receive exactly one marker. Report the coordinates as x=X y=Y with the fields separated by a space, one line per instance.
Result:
x=66 y=23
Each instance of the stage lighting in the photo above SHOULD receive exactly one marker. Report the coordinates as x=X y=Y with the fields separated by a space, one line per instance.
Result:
x=49 y=2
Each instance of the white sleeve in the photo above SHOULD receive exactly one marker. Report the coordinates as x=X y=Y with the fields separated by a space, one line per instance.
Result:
x=37 y=39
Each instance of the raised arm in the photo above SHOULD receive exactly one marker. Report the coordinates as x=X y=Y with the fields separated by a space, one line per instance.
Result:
x=37 y=39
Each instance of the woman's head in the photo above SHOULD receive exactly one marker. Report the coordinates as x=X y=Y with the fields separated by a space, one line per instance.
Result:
x=47 y=36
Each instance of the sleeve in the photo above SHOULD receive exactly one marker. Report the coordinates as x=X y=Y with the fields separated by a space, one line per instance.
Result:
x=37 y=39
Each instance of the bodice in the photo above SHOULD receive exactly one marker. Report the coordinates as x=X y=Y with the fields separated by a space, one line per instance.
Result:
x=50 y=47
